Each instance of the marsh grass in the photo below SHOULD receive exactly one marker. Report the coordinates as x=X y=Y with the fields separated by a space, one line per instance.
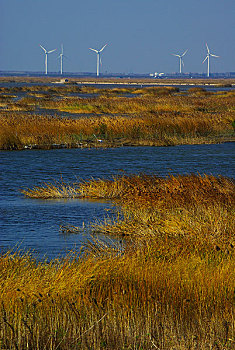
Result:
x=169 y=285
x=158 y=116
x=175 y=190
x=116 y=302
x=167 y=279
x=53 y=190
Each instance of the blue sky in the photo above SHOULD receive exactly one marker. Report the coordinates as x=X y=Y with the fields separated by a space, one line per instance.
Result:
x=141 y=34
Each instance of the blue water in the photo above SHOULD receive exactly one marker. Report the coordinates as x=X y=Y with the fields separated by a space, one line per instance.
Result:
x=35 y=224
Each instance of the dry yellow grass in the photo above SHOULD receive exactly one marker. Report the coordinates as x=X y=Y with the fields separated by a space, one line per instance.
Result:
x=158 y=116
x=170 y=285
x=110 y=301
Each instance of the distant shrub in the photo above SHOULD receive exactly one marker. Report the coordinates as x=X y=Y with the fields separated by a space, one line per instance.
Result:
x=158 y=90
x=225 y=85
x=196 y=89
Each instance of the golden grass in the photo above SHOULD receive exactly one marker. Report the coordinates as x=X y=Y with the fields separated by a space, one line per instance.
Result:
x=158 y=116
x=193 y=206
x=117 y=302
x=170 y=285
x=173 y=190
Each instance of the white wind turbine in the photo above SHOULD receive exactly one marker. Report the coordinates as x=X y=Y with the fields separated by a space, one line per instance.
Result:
x=98 y=58
x=46 y=54
x=61 y=56
x=181 y=59
x=208 y=60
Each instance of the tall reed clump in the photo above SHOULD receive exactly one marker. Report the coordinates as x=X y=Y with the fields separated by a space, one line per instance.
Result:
x=169 y=285
x=170 y=191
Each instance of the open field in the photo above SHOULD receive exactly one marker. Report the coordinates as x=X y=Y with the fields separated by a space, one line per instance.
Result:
x=112 y=117
x=168 y=285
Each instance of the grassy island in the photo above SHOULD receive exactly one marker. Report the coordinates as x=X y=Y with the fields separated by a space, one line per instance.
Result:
x=72 y=115
x=167 y=282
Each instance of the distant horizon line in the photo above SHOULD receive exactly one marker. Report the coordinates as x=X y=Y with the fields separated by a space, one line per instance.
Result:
x=113 y=74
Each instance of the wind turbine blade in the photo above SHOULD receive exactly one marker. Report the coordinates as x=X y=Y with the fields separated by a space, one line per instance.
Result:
x=62 y=49
x=182 y=62
x=205 y=59
x=43 y=48
x=214 y=55
x=93 y=50
x=207 y=48
x=51 y=51
x=103 y=47
x=175 y=55
x=184 y=53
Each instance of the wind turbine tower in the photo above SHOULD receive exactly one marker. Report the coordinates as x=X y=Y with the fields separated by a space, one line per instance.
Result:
x=46 y=54
x=181 y=59
x=208 y=60
x=98 y=58
x=61 y=55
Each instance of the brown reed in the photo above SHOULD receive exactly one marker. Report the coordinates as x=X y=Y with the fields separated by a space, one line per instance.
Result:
x=170 y=285
x=158 y=116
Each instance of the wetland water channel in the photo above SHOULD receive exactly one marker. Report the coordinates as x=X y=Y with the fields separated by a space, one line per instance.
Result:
x=34 y=224
x=38 y=110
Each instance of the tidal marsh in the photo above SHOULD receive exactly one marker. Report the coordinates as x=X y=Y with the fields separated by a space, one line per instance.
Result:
x=168 y=285
x=153 y=116
x=166 y=280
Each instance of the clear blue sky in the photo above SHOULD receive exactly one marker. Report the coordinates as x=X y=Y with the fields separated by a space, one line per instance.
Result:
x=141 y=34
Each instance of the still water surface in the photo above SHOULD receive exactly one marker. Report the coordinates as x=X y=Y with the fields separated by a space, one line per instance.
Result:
x=34 y=224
